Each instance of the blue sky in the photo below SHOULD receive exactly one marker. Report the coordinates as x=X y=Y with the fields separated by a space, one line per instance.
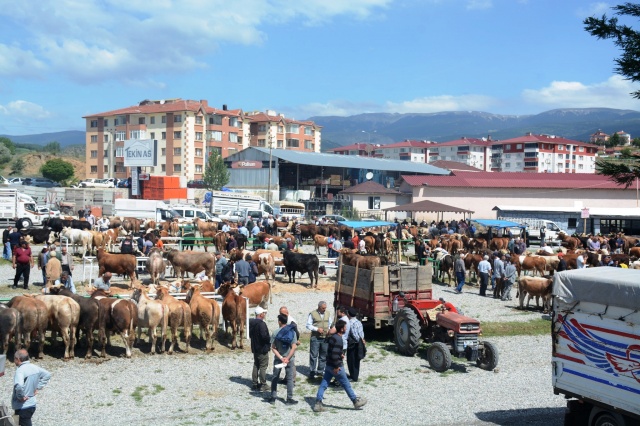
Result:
x=60 y=60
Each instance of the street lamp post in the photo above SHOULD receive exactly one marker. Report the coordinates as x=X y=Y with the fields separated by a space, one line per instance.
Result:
x=270 y=142
x=369 y=141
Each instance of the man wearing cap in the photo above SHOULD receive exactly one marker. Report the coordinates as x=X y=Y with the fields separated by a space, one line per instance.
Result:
x=22 y=263
x=284 y=353
x=562 y=264
x=66 y=282
x=484 y=269
x=260 y=346
x=53 y=268
x=319 y=323
x=356 y=335
x=127 y=245
x=509 y=279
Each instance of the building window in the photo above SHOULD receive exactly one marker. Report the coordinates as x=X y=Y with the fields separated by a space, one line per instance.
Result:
x=293 y=143
x=138 y=134
x=177 y=135
x=215 y=119
x=198 y=136
x=507 y=156
x=163 y=152
x=308 y=131
x=531 y=164
x=177 y=118
x=198 y=168
x=164 y=119
x=177 y=151
x=262 y=127
x=120 y=151
x=233 y=122
x=198 y=119
x=581 y=157
x=561 y=156
x=280 y=129
x=152 y=135
x=279 y=144
x=94 y=138
x=308 y=145
x=106 y=122
x=214 y=150
x=580 y=167
x=94 y=169
x=560 y=147
x=215 y=135
x=141 y=120
x=519 y=146
x=164 y=135
x=581 y=149
x=374 y=203
x=163 y=168
x=120 y=136
x=293 y=128
x=507 y=146
x=572 y=222
x=198 y=152
x=106 y=153
x=507 y=165
x=106 y=138
x=106 y=169
x=177 y=167
x=530 y=154
x=152 y=120
x=94 y=123
x=231 y=151
x=233 y=137
x=94 y=154
x=262 y=142
x=560 y=165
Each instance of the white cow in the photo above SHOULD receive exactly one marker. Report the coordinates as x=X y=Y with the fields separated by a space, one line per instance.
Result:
x=78 y=237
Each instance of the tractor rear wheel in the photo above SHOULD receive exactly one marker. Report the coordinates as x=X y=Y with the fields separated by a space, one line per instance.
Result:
x=439 y=357
x=406 y=332
x=488 y=358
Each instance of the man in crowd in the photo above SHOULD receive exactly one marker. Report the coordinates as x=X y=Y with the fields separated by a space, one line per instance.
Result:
x=66 y=282
x=335 y=368
x=22 y=263
x=53 y=268
x=510 y=276
x=460 y=271
x=27 y=381
x=319 y=323
x=484 y=269
x=103 y=282
x=545 y=248
x=283 y=346
x=593 y=244
x=242 y=270
x=260 y=345
x=562 y=264
x=43 y=256
x=498 y=273
x=356 y=335
x=271 y=245
x=126 y=247
x=14 y=238
x=221 y=261
x=103 y=224
x=580 y=264
x=6 y=244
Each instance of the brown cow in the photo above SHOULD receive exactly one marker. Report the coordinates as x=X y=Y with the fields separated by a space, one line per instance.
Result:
x=370 y=244
x=258 y=293
x=64 y=316
x=499 y=243
x=194 y=262
x=116 y=315
x=151 y=314
x=111 y=237
x=204 y=312
x=529 y=263
x=635 y=252
x=98 y=240
x=89 y=313
x=9 y=326
x=179 y=316
x=535 y=286
x=122 y=264
x=354 y=259
x=234 y=312
x=155 y=265
x=205 y=286
x=34 y=318
x=266 y=265
x=320 y=241
x=571 y=243
x=203 y=226
x=174 y=228
x=131 y=224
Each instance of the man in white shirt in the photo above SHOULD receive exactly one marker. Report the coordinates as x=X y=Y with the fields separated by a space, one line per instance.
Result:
x=580 y=262
x=319 y=322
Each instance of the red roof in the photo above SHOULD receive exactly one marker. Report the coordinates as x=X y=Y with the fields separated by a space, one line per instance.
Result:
x=465 y=141
x=454 y=165
x=514 y=180
x=360 y=146
x=542 y=138
x=170 y=105
x=368 y=187
x=263 y=117
x=409 y=143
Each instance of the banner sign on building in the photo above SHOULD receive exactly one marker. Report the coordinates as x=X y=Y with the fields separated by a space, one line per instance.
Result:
x=584 y=214
x=135 y=182
x=247 y=164
x=140 y=153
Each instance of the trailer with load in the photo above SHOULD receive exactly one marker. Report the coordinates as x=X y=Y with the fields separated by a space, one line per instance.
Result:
x=534 y=226
x=19 y=209
x=596 y=345
x=401 y=297
x=222 y=201
x=145 y=209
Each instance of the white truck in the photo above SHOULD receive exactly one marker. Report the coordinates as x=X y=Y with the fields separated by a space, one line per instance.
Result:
x=534 y=226
x=144 y=209
x=18 y=208
x=596 y=345
x=221 y=201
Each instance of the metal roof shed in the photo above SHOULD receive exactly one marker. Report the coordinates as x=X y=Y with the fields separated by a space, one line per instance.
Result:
x=429 y=207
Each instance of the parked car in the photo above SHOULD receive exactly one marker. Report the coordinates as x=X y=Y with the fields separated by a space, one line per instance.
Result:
x=233 y=216
x=48 y=211
x=98 y=183
x=16 y=180
x=40 y=182
x=198 y=183
x=332 y=218
x=123 y=183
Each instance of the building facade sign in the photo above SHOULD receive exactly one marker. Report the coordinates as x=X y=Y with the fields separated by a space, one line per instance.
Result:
x=247 y=164
x=140 y=153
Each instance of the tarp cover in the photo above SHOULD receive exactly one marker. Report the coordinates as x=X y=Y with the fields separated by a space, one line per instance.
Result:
x=605 y=285
x=495 y=223
x=364 y=223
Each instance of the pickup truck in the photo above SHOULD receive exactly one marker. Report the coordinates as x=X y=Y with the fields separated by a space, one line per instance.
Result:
x=98 y=183
x=595 y=355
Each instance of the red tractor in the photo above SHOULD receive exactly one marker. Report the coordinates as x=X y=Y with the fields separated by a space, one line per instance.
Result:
x=447 y=330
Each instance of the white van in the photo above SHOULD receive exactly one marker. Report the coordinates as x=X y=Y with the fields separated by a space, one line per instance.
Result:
x=190 y=212
x=534 y=225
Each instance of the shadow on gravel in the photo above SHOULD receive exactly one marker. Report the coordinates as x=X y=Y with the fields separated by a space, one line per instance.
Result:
x=303 y=369
x=241 y=381
x=526 y=416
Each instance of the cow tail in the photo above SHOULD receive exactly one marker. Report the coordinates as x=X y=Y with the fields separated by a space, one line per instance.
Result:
x=269 y=284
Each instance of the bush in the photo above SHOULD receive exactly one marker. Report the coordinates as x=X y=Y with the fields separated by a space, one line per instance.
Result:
x=57 y=170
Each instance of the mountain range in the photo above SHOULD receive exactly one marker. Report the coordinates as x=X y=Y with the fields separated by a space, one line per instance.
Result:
x=383 y=128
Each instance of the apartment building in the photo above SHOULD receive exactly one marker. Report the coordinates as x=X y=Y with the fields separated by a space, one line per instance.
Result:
x=407 y=150
x=359 y=148
x=187 y=132
x=543 y=154
x=270 y=129
x=470 y=151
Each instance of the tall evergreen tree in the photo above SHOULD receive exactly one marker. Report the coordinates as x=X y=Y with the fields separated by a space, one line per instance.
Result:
x=216 y=174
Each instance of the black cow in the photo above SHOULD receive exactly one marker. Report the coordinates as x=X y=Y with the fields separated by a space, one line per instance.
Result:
x=56 y=224
x=39 y=236
x=241 y=239
x=188 y=240
x=303 y=263
x=80 y=224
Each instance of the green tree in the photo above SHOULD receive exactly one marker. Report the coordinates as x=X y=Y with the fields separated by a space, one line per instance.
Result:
x=216 y=174
x=623 y=36
x=614 y=140
x=52 y=147
x=5 y=155
x=636 y=142
x=18 y=165
x=9 y=144
x=626 y=152
x=57 y=170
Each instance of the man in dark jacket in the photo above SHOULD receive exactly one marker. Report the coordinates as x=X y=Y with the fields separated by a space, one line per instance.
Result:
x=260 y=346
x=562 y=264
x=335 y=368
x=127 y=245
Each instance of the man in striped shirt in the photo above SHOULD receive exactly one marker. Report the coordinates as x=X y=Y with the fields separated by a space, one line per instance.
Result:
x=356 y=335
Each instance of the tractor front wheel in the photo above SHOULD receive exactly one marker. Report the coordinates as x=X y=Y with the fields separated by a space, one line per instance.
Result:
x=488 y=358
x=439 y=357
x=406 y=332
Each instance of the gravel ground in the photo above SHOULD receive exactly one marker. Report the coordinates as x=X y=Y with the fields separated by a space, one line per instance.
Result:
x=199 y=388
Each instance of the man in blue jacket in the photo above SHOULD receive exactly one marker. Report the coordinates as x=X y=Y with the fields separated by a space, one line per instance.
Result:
x=28 y=380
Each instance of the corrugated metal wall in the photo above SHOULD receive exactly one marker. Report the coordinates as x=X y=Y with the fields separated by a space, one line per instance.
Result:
x=253 y=178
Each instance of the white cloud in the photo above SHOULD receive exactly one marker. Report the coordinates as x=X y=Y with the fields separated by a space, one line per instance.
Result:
x=97 y=40
x=594 y=9
x=612 y=93
x=479 y=4
x=20 y=110
x=442 y=103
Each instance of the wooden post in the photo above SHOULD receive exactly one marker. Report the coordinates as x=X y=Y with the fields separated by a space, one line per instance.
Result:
x=355 y=282
x=339 y=283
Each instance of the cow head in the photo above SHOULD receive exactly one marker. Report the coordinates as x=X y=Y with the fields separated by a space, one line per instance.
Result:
x=52 y=238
